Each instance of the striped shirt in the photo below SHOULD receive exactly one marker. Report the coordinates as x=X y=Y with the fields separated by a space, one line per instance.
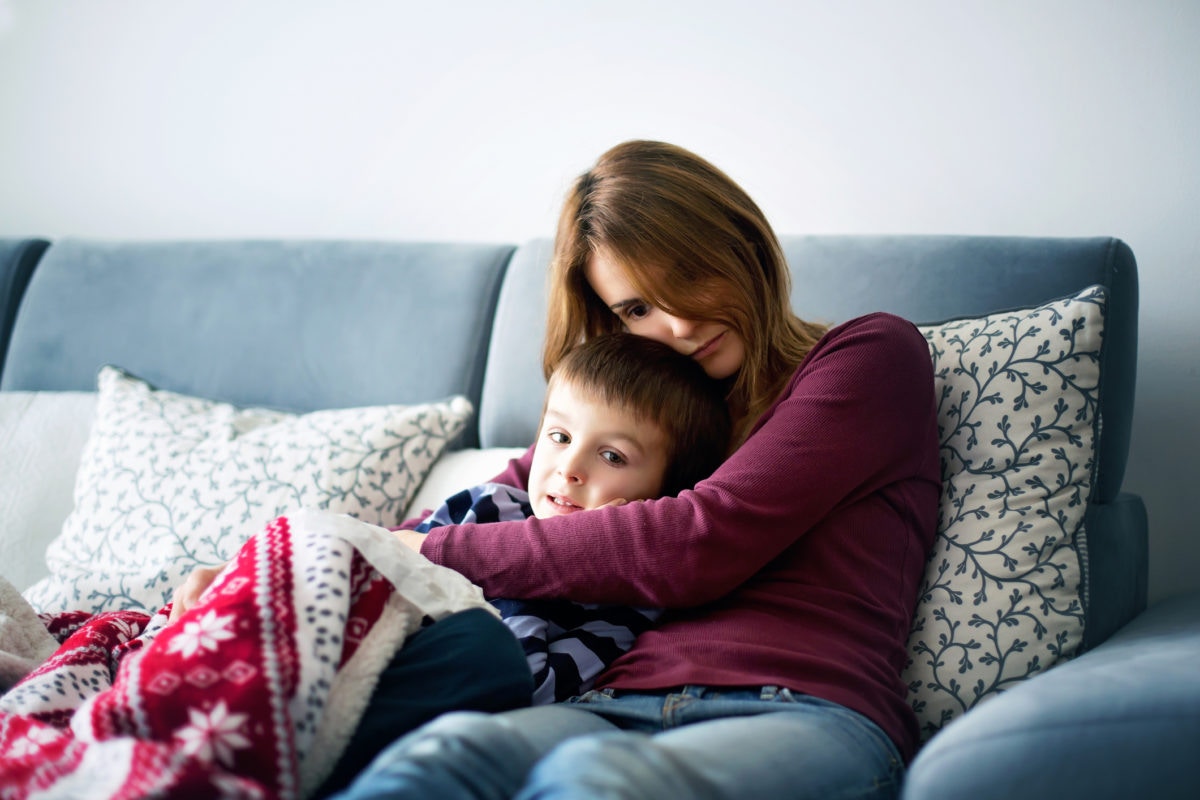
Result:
x=567 y=644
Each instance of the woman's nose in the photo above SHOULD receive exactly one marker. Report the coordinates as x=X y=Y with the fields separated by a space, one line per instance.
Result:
x=680 y=328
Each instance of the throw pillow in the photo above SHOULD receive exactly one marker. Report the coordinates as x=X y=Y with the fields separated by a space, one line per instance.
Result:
x=168 y=482
x=1004 y=590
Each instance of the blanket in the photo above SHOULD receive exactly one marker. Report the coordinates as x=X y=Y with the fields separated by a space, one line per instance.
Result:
x=24 y=640
x=253 y=693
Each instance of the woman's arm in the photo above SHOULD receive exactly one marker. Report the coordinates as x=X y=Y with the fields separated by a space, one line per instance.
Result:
x=858 y=415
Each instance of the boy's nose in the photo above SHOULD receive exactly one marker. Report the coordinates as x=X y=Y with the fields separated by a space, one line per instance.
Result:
x=570 y=468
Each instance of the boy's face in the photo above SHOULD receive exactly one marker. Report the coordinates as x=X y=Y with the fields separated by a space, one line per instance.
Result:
x=589 y=454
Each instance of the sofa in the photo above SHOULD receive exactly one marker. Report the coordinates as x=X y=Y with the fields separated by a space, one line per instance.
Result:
x=1035 y=668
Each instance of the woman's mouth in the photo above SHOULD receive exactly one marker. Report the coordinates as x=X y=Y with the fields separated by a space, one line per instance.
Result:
x=708 y=348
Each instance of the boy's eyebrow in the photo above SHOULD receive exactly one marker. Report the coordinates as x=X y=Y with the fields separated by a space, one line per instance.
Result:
x=628 y=440
x=632 y=446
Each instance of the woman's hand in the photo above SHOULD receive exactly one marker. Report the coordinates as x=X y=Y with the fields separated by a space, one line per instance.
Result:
x=187 y=594
x=412 y=539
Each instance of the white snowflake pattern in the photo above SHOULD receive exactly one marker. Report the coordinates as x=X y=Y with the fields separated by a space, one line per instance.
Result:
x=216 y=734
x=125 y=630
x=32 y=741
x=205 y=633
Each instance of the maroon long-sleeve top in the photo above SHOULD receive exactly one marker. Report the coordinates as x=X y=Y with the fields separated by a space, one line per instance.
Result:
x=797 y=563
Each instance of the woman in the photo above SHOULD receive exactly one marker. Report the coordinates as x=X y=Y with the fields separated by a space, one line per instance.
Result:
x=790 y=576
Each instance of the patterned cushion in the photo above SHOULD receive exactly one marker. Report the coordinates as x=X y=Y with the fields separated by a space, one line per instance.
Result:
x=168 y=482
x=1004 y=593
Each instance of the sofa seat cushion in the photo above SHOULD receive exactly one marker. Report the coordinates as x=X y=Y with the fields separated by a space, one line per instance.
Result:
x=169 y=481
x=1122 y=720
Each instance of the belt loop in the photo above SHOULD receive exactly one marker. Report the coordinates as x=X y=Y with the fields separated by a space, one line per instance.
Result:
x=768 y=693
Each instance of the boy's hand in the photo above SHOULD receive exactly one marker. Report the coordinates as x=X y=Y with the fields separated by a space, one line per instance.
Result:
x=620 y=501
x=187 y=594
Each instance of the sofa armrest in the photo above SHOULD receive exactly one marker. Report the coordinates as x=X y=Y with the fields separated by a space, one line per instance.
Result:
x=1117 y=565
x=1120 y=721
x=18 y=257
x=42 y=436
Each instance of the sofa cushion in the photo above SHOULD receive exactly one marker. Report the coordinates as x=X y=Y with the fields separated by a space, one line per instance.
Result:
x=297 y=325
x=169 y=481
x=1005 y=589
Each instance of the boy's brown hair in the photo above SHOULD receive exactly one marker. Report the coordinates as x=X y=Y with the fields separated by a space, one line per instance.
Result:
x=658 y=385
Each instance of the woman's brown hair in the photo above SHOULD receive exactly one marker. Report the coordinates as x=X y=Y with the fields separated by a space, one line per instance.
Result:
x=692 y=243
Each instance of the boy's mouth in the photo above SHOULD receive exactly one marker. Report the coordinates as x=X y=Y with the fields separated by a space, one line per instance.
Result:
x=562 y=504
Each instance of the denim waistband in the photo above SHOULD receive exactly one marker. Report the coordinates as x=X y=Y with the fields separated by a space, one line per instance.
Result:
x=767 y=693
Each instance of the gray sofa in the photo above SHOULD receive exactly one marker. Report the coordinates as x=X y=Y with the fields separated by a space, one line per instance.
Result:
x=307 y=325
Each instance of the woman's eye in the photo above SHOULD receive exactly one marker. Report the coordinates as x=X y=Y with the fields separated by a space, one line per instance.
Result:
x=612 y=457
x=638 y=311
x=558 y=437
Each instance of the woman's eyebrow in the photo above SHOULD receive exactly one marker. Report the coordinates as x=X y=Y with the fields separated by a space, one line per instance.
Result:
x=623 y=303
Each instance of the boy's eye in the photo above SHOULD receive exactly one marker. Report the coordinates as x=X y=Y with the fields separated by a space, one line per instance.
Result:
x=612 y=457
x=558 y=437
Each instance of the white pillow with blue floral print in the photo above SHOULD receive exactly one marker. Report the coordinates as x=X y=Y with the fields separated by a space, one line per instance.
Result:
x=168 y=482
x=1002 y=597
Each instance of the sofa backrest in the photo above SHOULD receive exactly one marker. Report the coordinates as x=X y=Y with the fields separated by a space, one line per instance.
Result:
x=291 y=325
x=835 y=278
x=435 y=319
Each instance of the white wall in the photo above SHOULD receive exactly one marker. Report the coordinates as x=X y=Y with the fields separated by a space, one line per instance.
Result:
x=466 y=120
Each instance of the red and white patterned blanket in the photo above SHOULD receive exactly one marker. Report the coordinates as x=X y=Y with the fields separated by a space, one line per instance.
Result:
x=252 y=694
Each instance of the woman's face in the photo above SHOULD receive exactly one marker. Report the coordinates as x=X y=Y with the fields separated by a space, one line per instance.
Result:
x=719 y=349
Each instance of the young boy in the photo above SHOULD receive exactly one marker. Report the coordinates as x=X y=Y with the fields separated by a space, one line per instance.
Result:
x=625 y=419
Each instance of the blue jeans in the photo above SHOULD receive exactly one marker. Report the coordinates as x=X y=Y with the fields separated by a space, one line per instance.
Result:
x=693 y=743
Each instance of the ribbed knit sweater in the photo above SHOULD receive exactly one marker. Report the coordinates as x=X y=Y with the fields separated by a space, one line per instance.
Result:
x=797 y=563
